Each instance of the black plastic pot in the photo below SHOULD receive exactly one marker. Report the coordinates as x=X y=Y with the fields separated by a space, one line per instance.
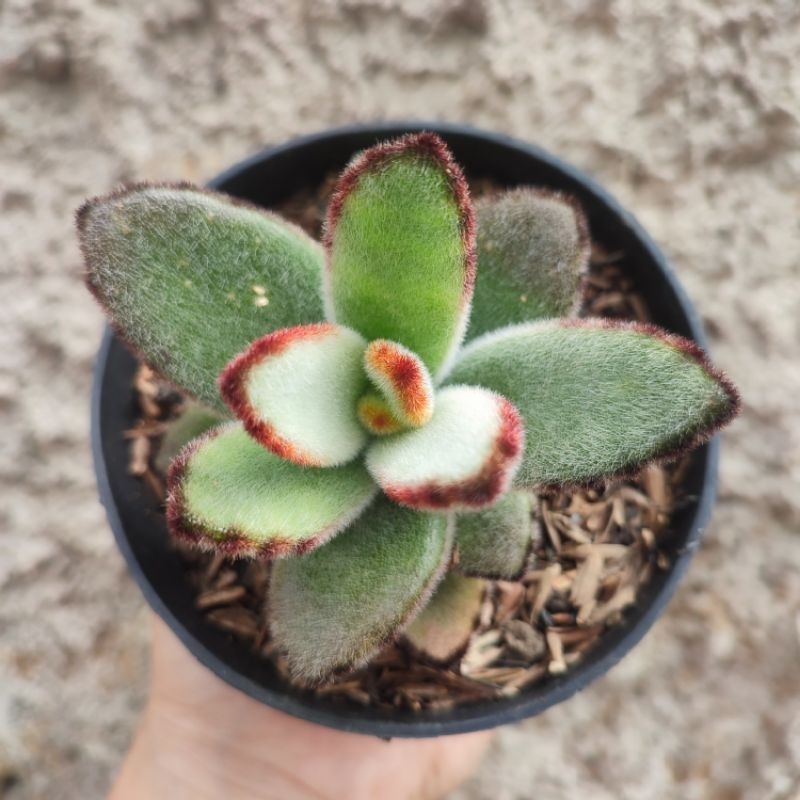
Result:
x=138 y=523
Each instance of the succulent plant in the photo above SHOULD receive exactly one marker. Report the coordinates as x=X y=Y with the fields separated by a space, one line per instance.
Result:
x=348 y=434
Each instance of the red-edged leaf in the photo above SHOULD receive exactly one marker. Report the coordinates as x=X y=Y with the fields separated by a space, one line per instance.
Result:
x=465 y=457
x=229 y=495
x=296 y=391
x=402 y=379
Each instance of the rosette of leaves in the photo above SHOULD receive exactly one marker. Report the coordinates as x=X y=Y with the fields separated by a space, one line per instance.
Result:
x=361 y=446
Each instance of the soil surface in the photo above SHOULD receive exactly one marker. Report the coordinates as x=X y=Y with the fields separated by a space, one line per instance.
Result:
x=688 y=110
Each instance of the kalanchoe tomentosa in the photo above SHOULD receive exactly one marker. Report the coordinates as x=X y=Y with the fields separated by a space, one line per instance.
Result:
x=366 y=443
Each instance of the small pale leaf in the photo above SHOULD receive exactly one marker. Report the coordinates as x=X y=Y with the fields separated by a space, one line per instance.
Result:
x=599 y=398
x=297 y=390
x=496 y=542
x=465 y=457
x=402 y=379
x=195 y=420
x=441 y=632
x=376 y=416
x=228 y=494
x=533 y=248
x=401 y=254
x=189 y=278
x=336 y=607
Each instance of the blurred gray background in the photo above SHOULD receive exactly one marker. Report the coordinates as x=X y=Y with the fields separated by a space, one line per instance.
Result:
x=688 y=110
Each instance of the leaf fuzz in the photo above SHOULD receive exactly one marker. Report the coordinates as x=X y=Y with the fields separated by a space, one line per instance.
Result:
x=166 y=262
x=401 y=248
x=442 y=631
x=599 y=398
x=333 y=609
x=228 y=494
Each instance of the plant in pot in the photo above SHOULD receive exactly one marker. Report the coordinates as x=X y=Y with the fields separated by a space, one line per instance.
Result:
x=344 y=431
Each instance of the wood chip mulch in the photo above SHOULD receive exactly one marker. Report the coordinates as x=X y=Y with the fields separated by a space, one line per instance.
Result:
x=594 y=550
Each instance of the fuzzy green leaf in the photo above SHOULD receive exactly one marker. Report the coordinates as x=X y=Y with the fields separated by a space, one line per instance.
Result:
x=496 y=542
x=533 y=247
x=401 y=248
x=465 y=457
x=190 y=279
x=195 y=420
x=441 y=632
x=598 y=398
x=229 y=494
x=296 y=391
x=335 y=608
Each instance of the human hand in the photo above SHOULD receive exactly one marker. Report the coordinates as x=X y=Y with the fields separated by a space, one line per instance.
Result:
x=200 y=738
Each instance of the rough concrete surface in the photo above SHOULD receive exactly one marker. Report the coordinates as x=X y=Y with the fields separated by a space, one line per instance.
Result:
x=688 y=110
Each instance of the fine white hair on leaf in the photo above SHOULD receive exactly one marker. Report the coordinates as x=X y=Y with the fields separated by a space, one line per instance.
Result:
x=297 y=392
x=167 y=262
x=598 y=397
x=465 y=457
x=336 y=607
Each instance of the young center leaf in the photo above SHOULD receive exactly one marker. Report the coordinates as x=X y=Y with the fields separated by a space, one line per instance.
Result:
x=189 y=279
x=333 y=609
x=465 y=457
x=400 y=240
x=441 y=632
x=402 y=379
x=496 y=542
x=227 y=493
x=599 y=398
x=296 y=391
x=533 y=247
x=376 y=415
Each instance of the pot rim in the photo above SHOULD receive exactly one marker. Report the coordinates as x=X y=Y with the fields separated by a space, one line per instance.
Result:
x=467 y=717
